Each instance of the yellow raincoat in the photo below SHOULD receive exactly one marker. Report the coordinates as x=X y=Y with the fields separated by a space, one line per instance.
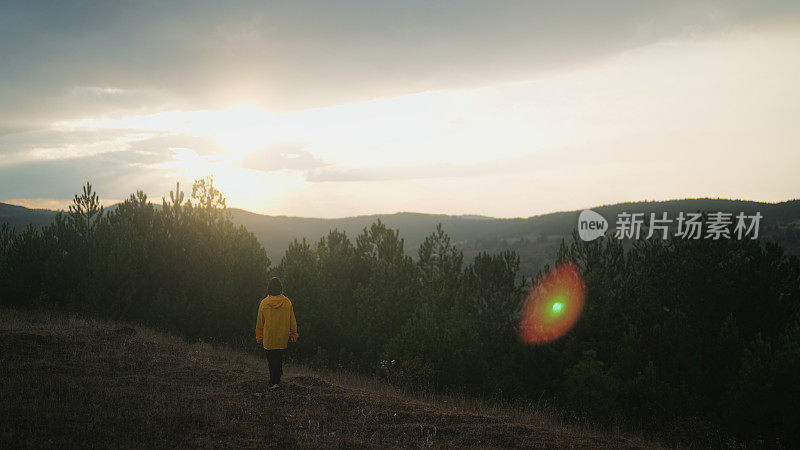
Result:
x=276 y=322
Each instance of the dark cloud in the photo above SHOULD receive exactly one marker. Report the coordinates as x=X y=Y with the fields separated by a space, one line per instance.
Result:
x=70 y=59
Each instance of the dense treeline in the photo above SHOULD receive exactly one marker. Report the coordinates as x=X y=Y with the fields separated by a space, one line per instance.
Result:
x=183 y=267
x=700 y=337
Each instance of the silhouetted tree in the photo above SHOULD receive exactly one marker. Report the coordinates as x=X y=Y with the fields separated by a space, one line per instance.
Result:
x=85 y=212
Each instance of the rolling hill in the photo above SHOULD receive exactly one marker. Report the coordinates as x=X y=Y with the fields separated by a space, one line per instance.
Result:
x=536 y=238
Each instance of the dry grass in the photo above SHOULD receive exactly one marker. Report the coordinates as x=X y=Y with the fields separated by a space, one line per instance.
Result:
x=71 y=382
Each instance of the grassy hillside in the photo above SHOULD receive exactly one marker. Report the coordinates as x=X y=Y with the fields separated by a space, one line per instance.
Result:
x=70 y=382
x=536 y=238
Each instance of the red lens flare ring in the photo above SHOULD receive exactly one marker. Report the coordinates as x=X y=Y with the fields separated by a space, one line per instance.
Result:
x=553 y=305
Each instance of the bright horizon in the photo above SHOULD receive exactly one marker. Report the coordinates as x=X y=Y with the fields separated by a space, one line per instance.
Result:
x=439 y=110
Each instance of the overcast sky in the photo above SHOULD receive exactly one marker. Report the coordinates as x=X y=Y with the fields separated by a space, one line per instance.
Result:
x=332 y=109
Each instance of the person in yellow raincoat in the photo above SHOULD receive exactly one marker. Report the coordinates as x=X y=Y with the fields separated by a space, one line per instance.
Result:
x=275 y=326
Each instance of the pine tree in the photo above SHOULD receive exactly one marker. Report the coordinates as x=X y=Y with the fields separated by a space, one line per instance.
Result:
x=85 y=212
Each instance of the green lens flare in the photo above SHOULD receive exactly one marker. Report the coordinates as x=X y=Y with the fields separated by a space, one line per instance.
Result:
x=553 y=305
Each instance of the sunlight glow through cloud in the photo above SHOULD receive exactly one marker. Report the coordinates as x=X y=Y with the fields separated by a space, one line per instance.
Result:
x=682 y=98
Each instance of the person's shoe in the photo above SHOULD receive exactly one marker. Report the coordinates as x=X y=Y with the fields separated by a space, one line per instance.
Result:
x=274 y=387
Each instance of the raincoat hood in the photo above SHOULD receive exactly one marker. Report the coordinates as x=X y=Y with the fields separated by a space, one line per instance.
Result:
x=276 y=301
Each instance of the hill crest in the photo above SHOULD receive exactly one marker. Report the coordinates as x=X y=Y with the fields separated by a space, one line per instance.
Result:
x=76 y=382
x=534 y=238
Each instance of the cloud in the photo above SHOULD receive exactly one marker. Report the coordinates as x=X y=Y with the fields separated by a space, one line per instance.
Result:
x=55 y=144
x=131 y=95
x=133 y=146
x=335 y=173
x=112 y=175
x=100 y=58
x=280 y=156
x=161 y=145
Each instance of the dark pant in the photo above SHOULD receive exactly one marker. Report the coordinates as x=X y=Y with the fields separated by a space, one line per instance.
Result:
x=275 y=363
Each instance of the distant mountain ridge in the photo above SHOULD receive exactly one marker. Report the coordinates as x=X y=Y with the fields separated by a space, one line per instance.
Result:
x=535 y=238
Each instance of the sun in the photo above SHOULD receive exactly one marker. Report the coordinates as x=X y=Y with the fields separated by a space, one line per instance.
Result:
x=241 y=129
